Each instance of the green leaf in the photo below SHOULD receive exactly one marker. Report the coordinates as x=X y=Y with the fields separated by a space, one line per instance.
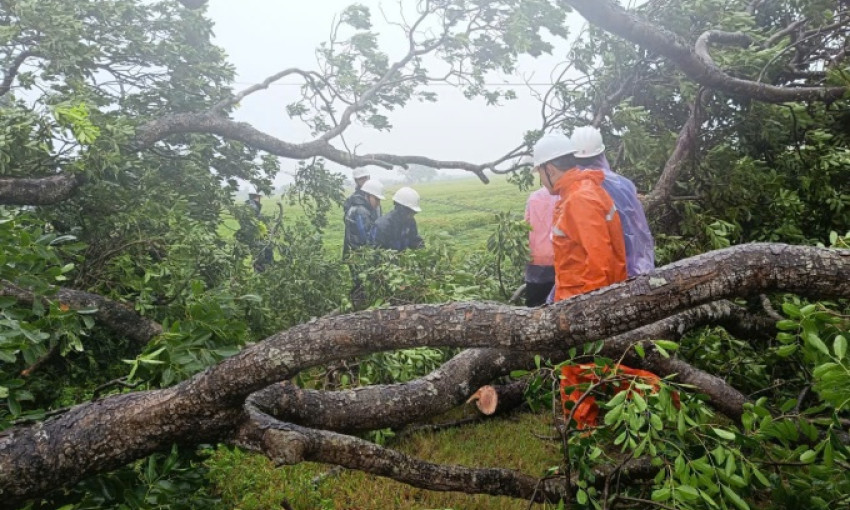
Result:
x=708 y=499
x=640 y=350
x=689 y=493
x=734 y=498
x=787 y=325
x=613 y=416
x=724 y=434
x=581 y=496
x=808 y=456
x=839 y=346
x=618 y=399
x=786 y=350
x=639 y=401
x=661 y=494
x=814 y=340
x=828 y=454
x=760 y=477
x=667 y=345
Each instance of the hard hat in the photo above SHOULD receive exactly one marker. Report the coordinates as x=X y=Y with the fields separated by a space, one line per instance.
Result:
x=587 y=141
x=373 y=187
x=407 y=197
x=360 y=172
x=551 y=146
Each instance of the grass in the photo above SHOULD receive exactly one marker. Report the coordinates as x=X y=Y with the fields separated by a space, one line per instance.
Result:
x=459 y=211
x=250 y=482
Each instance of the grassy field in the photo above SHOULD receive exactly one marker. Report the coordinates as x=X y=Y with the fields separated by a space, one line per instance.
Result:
x=461 y=211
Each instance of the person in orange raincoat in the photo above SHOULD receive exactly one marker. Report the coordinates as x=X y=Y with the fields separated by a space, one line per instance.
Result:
x=586 y=412
x=587 y=236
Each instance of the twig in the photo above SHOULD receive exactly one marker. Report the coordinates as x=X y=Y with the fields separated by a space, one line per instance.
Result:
x=330 y=473
x=768 y=308
x=645 y=502
x=40 y=361
x=121 y=381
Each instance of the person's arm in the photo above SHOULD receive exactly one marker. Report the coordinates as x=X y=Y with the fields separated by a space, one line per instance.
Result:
x=416 y=241
x=360 y=226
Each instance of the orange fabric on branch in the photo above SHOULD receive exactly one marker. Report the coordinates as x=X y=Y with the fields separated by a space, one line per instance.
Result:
x=586 y=412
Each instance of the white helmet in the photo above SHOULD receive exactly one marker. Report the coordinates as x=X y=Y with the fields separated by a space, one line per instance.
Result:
x=551 y=146
x=374 y=188
x=587 y=141
x=407 y=197
x=360 y=172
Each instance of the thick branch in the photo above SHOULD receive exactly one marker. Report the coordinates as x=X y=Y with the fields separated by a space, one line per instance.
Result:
x=396 y=405
x=613 y=18
x=102 y=435
x=39 y=190
x=719 y=36
x=118 y=317
x=686 y=143
x=154 y=131
x=286 y=443
x=12 y=71
x=393 y=405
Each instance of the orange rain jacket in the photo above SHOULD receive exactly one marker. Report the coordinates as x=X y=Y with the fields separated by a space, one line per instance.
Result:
x=586 y=412
x=586 y=235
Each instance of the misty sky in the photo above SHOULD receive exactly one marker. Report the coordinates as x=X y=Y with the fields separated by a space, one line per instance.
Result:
x=263 y=37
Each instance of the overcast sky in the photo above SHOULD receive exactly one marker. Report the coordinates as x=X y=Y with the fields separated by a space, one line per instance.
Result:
x=263 y=37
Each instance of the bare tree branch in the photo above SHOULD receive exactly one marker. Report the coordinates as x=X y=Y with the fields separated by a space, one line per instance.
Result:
x=154 y=131
x=686 y=144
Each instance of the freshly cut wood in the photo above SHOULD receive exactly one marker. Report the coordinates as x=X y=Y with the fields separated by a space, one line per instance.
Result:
x=490 y=399
x=486 y=399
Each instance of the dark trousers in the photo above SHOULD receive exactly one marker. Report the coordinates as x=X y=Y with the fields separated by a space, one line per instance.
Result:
x=536 y=293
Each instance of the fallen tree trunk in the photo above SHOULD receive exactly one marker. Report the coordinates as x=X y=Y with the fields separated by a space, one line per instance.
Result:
x=103 y=435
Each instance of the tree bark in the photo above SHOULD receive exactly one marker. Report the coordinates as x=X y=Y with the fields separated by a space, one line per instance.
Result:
x=102 y=435
x=38 y=190
x=686 y=144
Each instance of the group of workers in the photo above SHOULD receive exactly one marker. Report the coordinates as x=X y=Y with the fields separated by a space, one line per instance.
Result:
x=588 y=227
x=366 y=226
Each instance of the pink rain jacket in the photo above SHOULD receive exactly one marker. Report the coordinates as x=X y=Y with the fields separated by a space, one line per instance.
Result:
x=538 y=213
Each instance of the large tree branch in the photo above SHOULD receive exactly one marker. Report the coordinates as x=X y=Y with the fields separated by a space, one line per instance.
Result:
x=105 y=434
x=392 y=405
x=39 y=190
x=286 y=443
x=154 y=131
x=396 y=405
x=686 y=144
x=12 y=71
x=613 y=18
